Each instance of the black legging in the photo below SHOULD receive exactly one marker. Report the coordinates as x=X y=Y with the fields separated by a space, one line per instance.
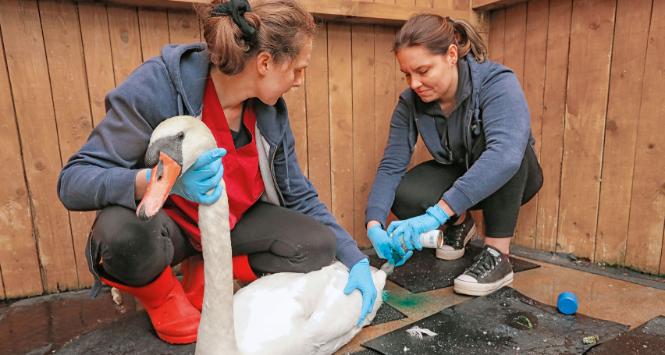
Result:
x=424 y=185
x=276 y=239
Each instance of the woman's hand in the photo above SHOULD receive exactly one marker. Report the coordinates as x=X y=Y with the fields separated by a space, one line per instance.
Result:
x=406 y=234
x=360 y=278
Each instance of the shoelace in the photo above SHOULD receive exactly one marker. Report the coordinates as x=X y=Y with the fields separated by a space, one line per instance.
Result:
x=484 y=263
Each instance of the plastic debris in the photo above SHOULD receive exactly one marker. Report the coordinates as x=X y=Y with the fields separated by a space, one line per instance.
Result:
x=417 y=331
x=590 y=340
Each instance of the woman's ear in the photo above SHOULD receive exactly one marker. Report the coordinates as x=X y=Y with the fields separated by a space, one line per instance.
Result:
x=452 y=54
x=263 y=62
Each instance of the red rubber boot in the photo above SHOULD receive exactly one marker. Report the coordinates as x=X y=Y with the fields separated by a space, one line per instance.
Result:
x=192 y=280
x=175 y=320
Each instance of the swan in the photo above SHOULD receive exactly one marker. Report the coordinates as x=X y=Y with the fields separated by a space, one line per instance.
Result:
x=282 y=313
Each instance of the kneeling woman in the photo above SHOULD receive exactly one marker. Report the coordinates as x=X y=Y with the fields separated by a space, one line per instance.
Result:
x=473 y=118
x=234 y=82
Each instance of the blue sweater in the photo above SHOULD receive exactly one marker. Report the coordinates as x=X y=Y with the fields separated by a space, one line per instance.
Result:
x=497 y=106
x=103 y=171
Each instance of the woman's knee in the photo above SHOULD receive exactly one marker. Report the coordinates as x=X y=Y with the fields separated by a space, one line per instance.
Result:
x=130 y=250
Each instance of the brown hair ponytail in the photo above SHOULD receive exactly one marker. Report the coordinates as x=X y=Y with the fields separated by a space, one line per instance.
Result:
x=279 y=27
x=437 y=33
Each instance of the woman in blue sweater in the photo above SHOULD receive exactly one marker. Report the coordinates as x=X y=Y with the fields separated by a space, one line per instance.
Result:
x=234 y=83
x=473 y=118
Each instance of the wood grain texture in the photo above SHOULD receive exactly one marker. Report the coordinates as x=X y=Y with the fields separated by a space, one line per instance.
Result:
x=33 y=103
x=533 y=85
x=647 y=207
x=554 y=103
x=98 y=58
x=363 y=71
x=64 y=53
x=497 y=35
x=318 y=122
x=154 y=29
x=588 y=83
x=125 y=41
x=341 y=122
x=183 y=27
x=19 y=263
x=625 y=98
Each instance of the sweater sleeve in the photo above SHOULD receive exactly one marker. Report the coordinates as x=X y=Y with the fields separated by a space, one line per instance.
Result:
x=396 y=158
x=507 y=127
x=103 y=171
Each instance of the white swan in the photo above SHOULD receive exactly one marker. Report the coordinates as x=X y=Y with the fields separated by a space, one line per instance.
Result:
x=283 y=313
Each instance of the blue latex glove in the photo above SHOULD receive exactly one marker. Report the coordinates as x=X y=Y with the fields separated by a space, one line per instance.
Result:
x=383 y=246
x=360 y=278
x=205 y=175
x=406 y=234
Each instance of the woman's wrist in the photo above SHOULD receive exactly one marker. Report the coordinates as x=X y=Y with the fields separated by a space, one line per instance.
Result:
x=372 y=223
x=446 y=208
x=140 y=184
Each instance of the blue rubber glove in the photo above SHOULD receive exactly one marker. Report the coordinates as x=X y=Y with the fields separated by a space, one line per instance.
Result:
x=406 y=234
x=204 y=176
x=360 y=278
x=383 y=246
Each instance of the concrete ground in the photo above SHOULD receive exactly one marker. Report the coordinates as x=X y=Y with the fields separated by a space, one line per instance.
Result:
x=42 y=324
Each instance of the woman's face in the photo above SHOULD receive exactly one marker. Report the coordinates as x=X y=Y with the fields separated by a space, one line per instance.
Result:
x=277 y=78
x=432 y=76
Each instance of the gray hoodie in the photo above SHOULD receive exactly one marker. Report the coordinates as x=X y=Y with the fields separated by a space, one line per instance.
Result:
x=103 y=171
x=497 y=131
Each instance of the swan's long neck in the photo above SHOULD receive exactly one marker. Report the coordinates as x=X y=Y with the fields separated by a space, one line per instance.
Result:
x=216 y=330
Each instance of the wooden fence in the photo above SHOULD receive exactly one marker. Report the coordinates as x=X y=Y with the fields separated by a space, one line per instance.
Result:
x=593 y=73
x=590 y=69
x=60 y=58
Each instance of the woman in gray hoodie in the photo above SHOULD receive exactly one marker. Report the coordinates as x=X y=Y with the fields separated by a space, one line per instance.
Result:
x=473 y=118
x=234 y=83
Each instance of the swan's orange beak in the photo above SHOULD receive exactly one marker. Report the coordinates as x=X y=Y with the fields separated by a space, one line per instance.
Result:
x=163 y=177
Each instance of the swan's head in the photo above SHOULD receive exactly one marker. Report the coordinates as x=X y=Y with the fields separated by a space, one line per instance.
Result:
x=174 y=146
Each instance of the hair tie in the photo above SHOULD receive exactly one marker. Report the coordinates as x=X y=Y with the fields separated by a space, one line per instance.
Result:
x=237 y=9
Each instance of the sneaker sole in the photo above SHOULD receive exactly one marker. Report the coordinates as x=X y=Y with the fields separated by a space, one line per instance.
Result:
x=476 y=289
x=456 y=254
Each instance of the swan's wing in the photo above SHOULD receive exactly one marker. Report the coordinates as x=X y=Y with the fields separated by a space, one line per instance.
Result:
x=333 y=323
x=268 y=314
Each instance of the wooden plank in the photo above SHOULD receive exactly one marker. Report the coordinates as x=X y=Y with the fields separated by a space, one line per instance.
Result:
x=629 y=52
x=487 y=5
x=647 y=207
x=367 y=11
x=29 y=77
x=154 y=28
x=125 y=41
x=427 y=4
x=554 y=103
x=515 y=39
x=341 y=122
x=98 y=58
x=64 y=53
x=534 y=84
x=183 y=27
x=19 y=263
x=318 y=124
x=362 y=49
x=497 y=35
x=384 y=89
x=588 y=82
x=514 y=44
x=295 y=101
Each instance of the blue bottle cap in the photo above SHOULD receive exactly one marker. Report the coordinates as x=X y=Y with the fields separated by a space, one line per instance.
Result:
x=567 y=303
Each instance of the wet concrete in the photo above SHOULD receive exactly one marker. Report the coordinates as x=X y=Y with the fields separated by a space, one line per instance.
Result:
x=40 y=325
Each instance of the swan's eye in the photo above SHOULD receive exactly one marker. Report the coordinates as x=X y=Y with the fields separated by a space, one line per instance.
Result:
x=181 y=135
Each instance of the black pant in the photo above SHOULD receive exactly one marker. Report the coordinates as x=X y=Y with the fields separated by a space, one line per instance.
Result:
x=424 y=185
x=276 y=239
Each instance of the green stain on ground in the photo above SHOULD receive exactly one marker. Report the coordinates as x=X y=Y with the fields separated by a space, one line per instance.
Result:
x=402 y=301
